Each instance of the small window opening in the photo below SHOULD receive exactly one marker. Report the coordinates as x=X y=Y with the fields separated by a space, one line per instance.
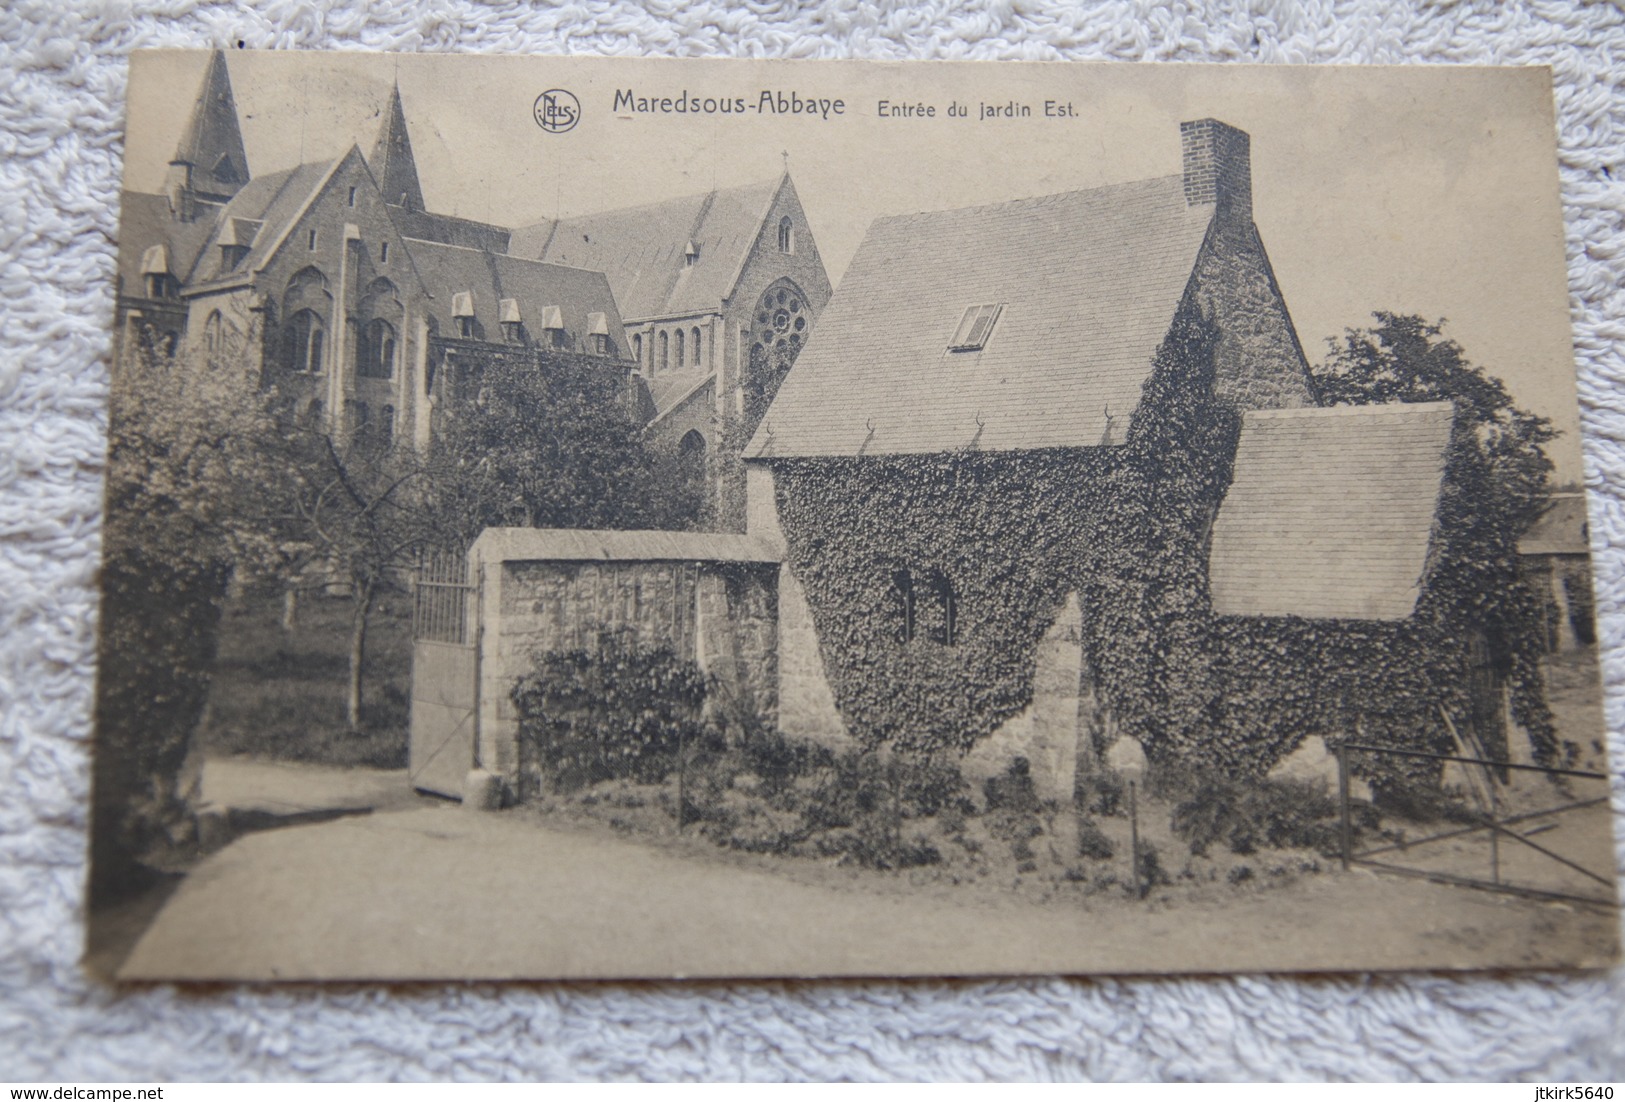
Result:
x=679 y=348
x=944 y=627
x=787 y=235
x=383 y=253
x=698 y=359
x=351 y=200
x=975 y=327
x=902 y=600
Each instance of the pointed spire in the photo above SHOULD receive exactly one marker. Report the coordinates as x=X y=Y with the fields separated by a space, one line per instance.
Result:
x=392 y=160
x=209 y=162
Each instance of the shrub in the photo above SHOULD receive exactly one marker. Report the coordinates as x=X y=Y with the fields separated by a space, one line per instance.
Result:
x=1276 y=814
x=1092 y=841
x=620 y=710
x=1101 y=793
x=1013 y=789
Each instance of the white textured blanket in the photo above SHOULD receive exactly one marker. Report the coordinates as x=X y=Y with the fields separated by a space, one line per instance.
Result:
x=62 y=75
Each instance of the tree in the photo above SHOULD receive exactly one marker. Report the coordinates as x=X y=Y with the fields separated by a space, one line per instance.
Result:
x=187 y=494
x=1497 y=482
x=356 y=503
x=549 y=440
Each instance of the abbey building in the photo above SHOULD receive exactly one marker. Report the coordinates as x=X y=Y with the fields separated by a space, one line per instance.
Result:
x=362 y=306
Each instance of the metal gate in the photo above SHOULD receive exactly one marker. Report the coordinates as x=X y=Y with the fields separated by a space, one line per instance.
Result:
x=445 y=676
x=1521 y=829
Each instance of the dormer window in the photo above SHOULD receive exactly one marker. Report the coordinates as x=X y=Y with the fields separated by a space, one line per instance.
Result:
x=553 y=325
x=691 y=255
x=226 y=172
x=508 y=315
x=462 y=311
x=598 y=335
x=975 y=328
x=236 y=238
x=155 y=270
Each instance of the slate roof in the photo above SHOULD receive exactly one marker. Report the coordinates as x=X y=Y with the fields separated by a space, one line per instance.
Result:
x=212 y=133
x=392 y=162
x=145 y=221
x=641 y=248
x=1330 y=512
x=275 y=200
x=450 y=270
x=448 y=229
x=1561 y=530
x=582 y=545
x=1089 y=282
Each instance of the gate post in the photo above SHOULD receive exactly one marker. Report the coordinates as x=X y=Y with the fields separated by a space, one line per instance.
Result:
x=1343 y=800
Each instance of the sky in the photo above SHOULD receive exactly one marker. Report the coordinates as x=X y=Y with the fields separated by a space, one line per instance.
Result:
x=1424 y=189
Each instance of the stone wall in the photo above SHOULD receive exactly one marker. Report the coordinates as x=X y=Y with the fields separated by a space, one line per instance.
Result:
x=806 y=706
x=721 y=615
x=1259 y=362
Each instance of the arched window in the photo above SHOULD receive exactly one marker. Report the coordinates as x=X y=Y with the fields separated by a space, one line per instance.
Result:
x=778 y=328
x=313 y=415
x=665 y=349
x=698 y=359
x=637 y=347
x=377 y=352
x=305 y=340
x=691 y=455
x=787 y=235
x=679 y=348
x=214 y=335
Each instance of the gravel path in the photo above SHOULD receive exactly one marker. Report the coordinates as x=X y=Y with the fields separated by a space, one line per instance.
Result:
x=440 y=892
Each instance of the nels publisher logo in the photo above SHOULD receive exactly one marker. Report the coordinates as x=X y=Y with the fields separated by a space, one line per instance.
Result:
x=557 y=111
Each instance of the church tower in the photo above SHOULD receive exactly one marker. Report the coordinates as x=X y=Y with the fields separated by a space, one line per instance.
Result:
x=209 y=165
x=392 y=160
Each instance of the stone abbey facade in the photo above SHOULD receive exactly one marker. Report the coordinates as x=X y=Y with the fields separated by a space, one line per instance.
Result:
x=337 y=283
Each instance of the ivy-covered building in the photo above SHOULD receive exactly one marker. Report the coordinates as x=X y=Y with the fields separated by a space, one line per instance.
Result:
x=1053 y=471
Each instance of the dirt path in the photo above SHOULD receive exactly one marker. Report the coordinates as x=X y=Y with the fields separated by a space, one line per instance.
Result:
x=442 y=892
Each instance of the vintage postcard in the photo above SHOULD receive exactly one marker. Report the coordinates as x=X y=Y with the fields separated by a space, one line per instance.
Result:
x=611 y=518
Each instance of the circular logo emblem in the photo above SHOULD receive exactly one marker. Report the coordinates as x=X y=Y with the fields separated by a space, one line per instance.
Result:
x=557 y=111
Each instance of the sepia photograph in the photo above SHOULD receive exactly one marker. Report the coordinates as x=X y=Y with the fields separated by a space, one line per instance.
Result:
x=594 y=518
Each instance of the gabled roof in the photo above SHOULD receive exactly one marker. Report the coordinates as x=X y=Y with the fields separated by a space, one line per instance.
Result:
x=642 y=249
x=212 y=143
x=1330 y=512
x=1088 y=281
x=392 y=163
x=276 y=200
x=451 y=270
x=669 y=389
x=144 y=221
x=448 y=229
x=1561 y=530
x=583 y=545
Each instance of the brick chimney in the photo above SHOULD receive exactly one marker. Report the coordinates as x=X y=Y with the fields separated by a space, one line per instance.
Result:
x=1218 y=166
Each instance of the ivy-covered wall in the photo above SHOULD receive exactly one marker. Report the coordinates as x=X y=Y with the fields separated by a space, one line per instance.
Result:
x=1126 y=529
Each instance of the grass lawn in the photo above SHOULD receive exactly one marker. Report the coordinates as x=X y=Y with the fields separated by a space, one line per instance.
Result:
x=280 y=695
